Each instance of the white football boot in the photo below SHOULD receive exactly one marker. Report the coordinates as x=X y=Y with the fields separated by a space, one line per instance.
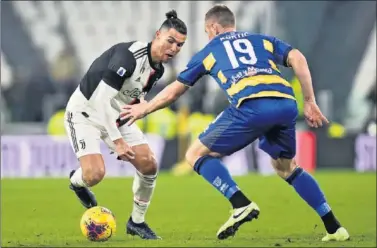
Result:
x=238 y=217
x=340 y=235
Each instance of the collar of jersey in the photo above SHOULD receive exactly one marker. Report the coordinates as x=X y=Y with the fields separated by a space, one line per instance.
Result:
x=154 y=66
x=219 y=35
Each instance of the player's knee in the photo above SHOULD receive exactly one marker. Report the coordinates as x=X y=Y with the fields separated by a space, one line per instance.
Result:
x=149 y=165
x=284 y=167
x=191 y=156
x=94 y=175
x=93 y=169
x=196 y=151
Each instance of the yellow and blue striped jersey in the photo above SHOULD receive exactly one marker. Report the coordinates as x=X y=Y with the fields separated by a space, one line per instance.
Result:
x=243 y=64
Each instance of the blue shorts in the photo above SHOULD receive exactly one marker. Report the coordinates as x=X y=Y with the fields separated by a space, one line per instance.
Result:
x=272 y=120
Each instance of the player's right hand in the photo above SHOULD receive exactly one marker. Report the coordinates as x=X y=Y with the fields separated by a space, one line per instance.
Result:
x=313 y=115
x=123 y=150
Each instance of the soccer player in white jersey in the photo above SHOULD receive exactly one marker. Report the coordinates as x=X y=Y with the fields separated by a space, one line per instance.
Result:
x=121 y=75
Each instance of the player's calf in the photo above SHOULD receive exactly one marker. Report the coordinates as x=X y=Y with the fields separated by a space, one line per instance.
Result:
x=144 y=182
x=208 y=165
x=90 y=173
x=307 y=187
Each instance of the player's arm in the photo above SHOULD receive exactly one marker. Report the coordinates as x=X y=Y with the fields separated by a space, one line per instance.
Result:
x=187 y=78
x=120 y=67
x=166 y=97
x=290 y=57
x=297 y=61
x=313 y=114
x=287 y=56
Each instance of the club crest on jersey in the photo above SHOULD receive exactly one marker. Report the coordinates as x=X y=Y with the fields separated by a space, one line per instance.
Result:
x=121 y=71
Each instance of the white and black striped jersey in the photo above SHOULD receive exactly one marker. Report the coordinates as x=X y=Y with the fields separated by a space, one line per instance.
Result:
x=119 y=76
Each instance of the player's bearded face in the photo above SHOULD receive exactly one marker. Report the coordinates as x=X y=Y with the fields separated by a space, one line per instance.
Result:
x=169 y=43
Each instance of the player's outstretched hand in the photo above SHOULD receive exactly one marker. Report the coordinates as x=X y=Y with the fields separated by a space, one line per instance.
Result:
x=134 y=112
x=123 y=150
x=313 y=115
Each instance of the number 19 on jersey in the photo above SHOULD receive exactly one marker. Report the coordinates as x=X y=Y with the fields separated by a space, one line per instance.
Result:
x=244 y=50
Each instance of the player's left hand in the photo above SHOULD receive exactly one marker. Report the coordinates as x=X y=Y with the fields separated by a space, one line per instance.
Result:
x=313 y=115
x=134 y=112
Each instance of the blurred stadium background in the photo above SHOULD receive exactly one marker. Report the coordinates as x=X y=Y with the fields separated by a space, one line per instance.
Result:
x=46 y=46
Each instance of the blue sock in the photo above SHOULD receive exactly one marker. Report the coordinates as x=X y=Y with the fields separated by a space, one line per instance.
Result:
x=309 y=190
x=215 y=172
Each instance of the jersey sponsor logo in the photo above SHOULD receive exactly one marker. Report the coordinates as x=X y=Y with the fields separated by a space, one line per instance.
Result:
x=252 y=71
x=249 y=72
x=121 y=71
x=134 y=93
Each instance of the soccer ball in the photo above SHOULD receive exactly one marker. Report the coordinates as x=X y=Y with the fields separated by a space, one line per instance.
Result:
x=98 y=224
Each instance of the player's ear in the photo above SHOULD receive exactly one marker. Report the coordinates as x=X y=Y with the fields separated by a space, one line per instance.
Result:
x=213 y=29
x=158 y=32
x=217 y=28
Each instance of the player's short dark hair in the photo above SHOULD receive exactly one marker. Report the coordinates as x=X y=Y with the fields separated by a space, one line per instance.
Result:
x=222 y=14
x=172 y=21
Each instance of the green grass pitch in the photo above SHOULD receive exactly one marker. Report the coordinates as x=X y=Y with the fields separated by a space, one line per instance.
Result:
x=187 y=211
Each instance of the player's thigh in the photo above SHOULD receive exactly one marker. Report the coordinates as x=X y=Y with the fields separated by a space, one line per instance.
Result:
x=227 y=134
x=280 y=142
x=85 y=141
x=145 y=160
x=132 y=135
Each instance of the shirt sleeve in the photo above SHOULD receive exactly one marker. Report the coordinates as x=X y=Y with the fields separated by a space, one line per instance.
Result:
x=281 y=50
x=194 y=71
x=102 y=102
x=121 y=66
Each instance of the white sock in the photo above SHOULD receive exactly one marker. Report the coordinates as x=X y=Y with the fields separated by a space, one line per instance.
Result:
x=77 y=180
x=143 y=187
